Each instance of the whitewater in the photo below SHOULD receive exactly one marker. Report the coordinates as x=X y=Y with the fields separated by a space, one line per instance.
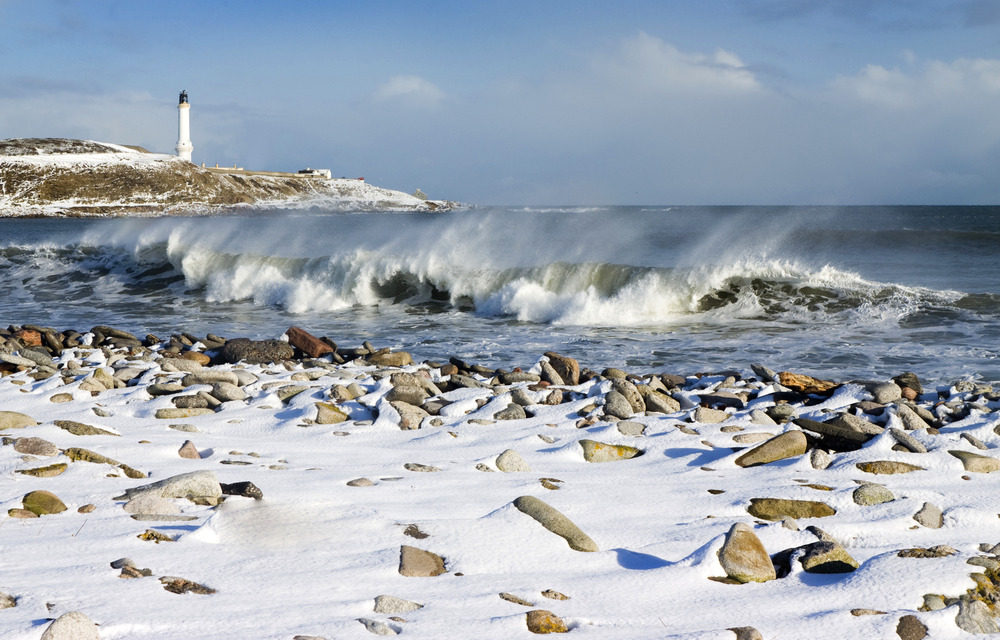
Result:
x=858 y=292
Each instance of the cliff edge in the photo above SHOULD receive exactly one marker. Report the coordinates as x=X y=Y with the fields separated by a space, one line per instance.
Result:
x=62 y=177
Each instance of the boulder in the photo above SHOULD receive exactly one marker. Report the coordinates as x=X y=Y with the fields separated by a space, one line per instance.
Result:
x=36 y=447
x=827 y=556
x=785 y=445
x=707 y=415
x=329 y=413
x=410 y=416
x=743 y=556
x=196 y=486
x=227 y=392
x=512 y=412
x=43 y=503
x=617 y=405
x=391 y=359
x=73 y=625
x=409 y=394
x=631 y=393
x=556 y=522
x=911 y=628
x=15 y=420
x=975 y=462
x=567 y=368
x=974 y=616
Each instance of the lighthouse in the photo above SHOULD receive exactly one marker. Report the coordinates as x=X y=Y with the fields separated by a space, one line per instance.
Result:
x=184 y=146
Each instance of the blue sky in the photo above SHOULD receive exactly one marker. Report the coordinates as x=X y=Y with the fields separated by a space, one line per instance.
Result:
x=536 y=103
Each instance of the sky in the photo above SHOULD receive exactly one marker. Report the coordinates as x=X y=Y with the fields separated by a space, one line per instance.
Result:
x=536 y=103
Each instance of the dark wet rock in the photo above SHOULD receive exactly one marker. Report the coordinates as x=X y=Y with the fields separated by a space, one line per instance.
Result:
x=245 y=489
x=256 y=351
x=911 y=628
x=833 y=437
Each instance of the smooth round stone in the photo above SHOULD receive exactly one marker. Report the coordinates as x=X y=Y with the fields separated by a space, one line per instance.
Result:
x=511 y=461
x=743 y=556
x=36 y=447
x=228 y=392
x=16 y=420
x=71 y=626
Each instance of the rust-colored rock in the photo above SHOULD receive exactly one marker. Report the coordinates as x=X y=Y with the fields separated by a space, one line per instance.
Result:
x=567 y=368
x=196 y=356
x=806 y=384
x=307 y=343
x=29 y=337
x=542 y=621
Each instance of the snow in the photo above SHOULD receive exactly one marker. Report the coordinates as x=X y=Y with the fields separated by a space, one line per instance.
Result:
x=313 y=554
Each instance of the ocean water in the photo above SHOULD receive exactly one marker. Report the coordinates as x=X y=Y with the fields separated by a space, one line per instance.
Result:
x=840 y=293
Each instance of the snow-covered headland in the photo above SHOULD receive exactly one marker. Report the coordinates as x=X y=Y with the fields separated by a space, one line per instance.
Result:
x=60 y=177
x=198 y=487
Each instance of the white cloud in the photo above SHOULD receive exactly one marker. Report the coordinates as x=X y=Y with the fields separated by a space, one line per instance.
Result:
x=648 y=63
x=410 y=90
x=937 y=81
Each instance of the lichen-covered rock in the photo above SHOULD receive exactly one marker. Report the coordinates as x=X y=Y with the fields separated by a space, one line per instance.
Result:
x=743 y=556
x=81 y=429
x=329 y=413
x=49 y=471
x=43 y=503
x=594 y=451
x=542 y=621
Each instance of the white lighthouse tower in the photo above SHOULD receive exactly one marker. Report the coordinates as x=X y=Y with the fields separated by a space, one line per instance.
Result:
x=184 y=146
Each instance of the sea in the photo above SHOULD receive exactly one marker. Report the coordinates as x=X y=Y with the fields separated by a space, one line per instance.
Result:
x=840 y=293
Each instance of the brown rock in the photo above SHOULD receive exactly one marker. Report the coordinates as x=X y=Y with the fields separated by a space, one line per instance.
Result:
x=785 y=445
x=29 y=337
x=743 y=556
x=542 y=621
x=806 y=384
x=196 y=356
x=567 y=368
x=307 y=343
x=911 y=628
x=392 y=359
x=45 y=472
x=414 y=562
x=887 y=467
x=777 y=508
x=189 y=451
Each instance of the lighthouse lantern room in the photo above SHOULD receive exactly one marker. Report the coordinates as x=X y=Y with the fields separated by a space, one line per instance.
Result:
x=184 y=146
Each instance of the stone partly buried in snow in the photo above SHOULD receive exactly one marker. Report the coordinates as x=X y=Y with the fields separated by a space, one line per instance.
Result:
x=329 y=413
x=15 y=420
x=743 y=556
x=869 y=494
x=542 y=621
x=81 y=429
x=392 y=604
x=73 y=625
x=887 y=467
x=556 y=522
x=785 y=445
x=410 y=416
x=511 y=461
x=43 y=503
x=594 y=451
x=777 y=508
x=177 y=414
x=418 y=563
x=827 y=556
x=49 y=471
x=975 y=462
x=197 y=486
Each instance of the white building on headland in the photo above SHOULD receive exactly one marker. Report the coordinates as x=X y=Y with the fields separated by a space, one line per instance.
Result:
x=184 y=146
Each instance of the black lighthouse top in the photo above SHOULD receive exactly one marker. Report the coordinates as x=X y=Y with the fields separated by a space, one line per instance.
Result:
x=184 y=97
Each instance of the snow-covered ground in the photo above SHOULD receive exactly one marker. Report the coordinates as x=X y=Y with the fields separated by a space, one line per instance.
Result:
x=311 y=557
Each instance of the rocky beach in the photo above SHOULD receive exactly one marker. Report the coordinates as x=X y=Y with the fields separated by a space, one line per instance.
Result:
x=220 y=487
